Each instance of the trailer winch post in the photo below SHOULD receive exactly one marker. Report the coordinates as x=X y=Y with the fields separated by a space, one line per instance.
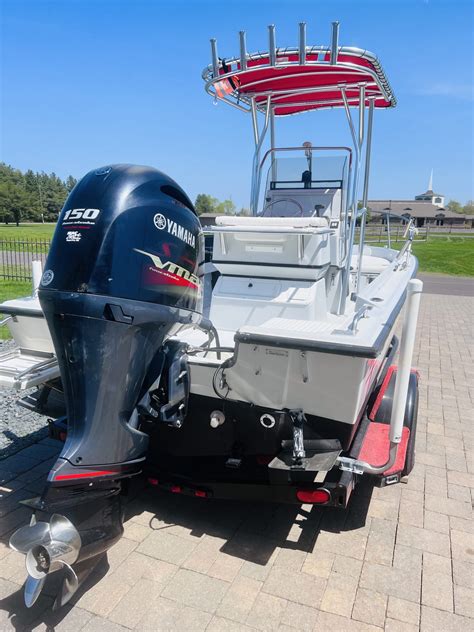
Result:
x=414 y=290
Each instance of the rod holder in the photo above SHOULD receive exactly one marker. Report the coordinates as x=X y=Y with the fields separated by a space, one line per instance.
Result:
x=302 y=44
x=365 y=193
x=243 y=51
x=215 y=59
x=368 y=150
x=334 y=42
x=271 y=44
x=361 y=115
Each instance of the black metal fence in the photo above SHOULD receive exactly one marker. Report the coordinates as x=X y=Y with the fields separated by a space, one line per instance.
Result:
x=379 y=233
x=16 y=256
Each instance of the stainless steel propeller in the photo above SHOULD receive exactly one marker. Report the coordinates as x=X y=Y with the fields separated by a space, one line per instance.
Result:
x=48 y=547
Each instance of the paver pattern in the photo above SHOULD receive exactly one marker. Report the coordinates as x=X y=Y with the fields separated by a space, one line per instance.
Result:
x=400 y=558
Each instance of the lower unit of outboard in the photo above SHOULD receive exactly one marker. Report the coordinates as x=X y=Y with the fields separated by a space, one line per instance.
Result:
x=121 y=277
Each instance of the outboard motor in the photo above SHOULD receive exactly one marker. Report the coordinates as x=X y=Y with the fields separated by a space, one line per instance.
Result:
x=121 y=277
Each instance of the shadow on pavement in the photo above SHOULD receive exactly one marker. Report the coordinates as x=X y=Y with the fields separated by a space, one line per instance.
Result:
x=249 y=531
x=25 y=619
x=252 y=532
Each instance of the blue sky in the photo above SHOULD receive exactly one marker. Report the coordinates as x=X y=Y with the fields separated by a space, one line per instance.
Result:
x=91 y=82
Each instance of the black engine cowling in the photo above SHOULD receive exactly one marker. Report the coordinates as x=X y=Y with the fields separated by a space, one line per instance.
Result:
x=122 y=275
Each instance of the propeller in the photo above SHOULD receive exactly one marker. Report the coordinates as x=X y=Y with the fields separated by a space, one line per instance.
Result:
x=48 y=546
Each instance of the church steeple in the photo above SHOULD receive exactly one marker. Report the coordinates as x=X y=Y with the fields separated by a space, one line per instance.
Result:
x=430 y=196
x=430 y=183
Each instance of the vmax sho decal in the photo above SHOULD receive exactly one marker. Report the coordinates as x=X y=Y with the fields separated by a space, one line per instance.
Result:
x=175 y=274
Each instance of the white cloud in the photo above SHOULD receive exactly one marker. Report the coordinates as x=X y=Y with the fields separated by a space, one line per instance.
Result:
x=462 y=91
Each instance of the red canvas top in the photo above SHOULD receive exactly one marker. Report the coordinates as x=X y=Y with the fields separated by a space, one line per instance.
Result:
x=297 y=88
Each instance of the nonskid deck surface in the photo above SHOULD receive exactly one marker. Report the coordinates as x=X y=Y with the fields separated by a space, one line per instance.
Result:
x=382 y=298
x=306 y=327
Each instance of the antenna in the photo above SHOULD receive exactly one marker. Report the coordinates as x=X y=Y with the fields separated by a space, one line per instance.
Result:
x=334 y=43
x=215 y=58
x=271 y=44
x=302 y=44
x=243 y=51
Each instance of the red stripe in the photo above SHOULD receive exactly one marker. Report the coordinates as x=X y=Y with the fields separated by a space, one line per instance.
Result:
x=65 y=477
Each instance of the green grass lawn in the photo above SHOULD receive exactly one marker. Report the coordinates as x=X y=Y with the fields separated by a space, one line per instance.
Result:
x=12 y=289
x=445 y=255
x=27 y=231
x=26 y=237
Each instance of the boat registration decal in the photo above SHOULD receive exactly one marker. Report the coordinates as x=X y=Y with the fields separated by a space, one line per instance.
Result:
x=276 y=352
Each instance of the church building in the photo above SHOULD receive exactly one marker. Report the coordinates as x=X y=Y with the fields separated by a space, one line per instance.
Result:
x=427 y=208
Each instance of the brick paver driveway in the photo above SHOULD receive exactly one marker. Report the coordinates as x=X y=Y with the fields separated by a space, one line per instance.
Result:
x=399 y=558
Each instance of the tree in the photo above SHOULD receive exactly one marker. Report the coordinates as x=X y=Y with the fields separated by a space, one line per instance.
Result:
x=14 y=202
x=70 y=183
x=227 y=207
x=34 y=193
x=54 y=193
x=38 y=195
x=454 y=206
x=205 y=204
x=469 y=208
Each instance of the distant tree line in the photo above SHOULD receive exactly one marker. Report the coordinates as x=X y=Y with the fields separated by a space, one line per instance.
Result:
x=457 y=207
x=207 y=204
x=39 y=197
x=31 y=196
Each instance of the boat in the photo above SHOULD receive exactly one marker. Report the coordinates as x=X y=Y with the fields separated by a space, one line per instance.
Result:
x=263 y=371
x=32 y=361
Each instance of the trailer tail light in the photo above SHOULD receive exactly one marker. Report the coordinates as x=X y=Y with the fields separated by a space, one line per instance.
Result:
x=317 y=496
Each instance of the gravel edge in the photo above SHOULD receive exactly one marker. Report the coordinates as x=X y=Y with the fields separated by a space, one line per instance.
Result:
x=19 y=427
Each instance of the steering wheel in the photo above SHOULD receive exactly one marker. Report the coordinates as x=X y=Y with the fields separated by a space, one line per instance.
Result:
x=270 y=204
